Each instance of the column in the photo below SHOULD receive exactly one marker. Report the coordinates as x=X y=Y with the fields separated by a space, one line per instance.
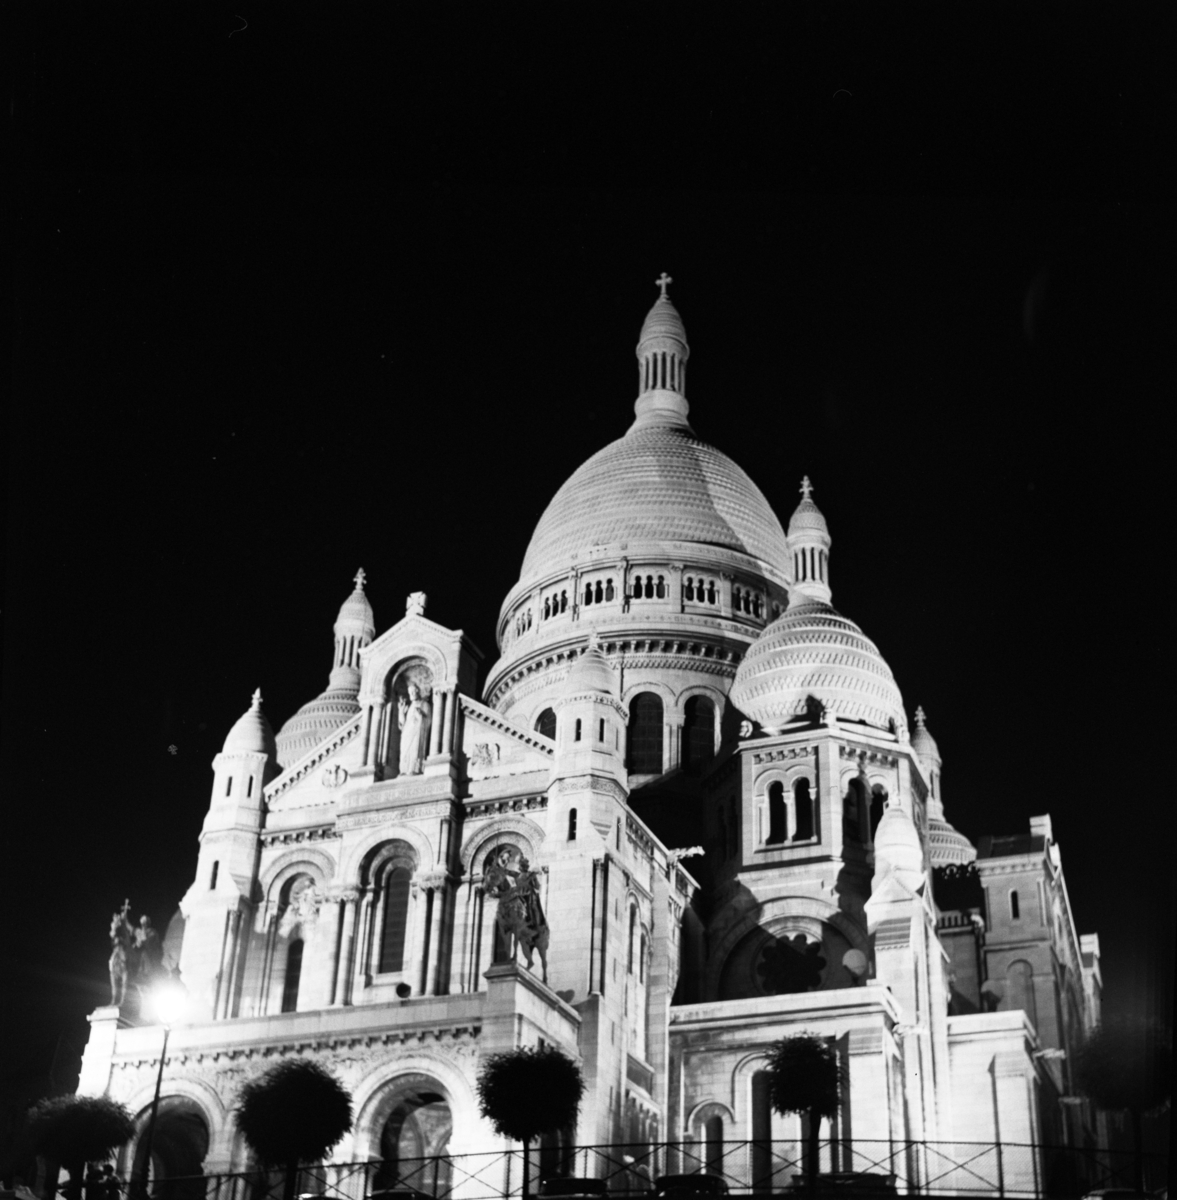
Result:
x=342 y=989
x=675 y=584
x=366 y=735
x=672 y=742
x=725 y=594
x=447 y=737
x=435 y=968
x=334 y=945
x=435 y=724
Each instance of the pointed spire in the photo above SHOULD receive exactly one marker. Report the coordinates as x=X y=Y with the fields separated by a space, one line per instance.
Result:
x=809 y=548
x=257 y=700
x=662 y=353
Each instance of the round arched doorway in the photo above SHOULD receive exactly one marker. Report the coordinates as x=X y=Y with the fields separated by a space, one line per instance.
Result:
x=415 y=1136
x=178 y=1149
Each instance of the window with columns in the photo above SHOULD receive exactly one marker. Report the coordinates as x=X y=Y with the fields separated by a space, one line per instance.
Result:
x=391 y=900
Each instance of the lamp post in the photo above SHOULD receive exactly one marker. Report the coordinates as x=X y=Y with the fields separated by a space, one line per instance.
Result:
x=168 y=998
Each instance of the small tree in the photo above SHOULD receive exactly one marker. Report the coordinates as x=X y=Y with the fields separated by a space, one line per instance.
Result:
x=293 y=1113
x=528 y=1092
x=76 y=1130
x=805 y=1076
x=1126 y=1064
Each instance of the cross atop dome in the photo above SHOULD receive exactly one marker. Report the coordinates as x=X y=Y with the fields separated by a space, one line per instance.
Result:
x=663 y=281
x=806 y=488
x=361 y=579
x=257 y=698
x=920 y=718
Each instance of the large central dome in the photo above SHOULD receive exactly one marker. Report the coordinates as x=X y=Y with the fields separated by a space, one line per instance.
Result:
x=657 y=484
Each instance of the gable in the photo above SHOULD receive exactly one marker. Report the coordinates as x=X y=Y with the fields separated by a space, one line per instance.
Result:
x=493 y=745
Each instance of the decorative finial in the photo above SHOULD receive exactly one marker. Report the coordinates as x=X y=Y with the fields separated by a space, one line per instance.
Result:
x=594 y=642
x=415 y=604
x=360 y=579
x=806 y=488
x=257 y=698
x=919 y=716
x=663 y=281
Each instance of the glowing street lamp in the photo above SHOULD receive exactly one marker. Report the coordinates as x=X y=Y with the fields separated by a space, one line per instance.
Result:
x=167 y=1001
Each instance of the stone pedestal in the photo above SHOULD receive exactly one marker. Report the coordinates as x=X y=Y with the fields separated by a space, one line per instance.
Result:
x=105 y=1022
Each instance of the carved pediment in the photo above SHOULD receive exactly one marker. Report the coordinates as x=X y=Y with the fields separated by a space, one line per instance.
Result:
x=493 y=745
x=319 y=776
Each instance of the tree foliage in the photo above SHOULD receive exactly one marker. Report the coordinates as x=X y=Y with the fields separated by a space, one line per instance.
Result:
x=805 y=1075
x=530 y=1091
x=294 y=1112
x=1125 y=1063
x=75 y=1130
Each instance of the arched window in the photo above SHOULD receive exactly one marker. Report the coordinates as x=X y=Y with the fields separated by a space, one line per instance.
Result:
x=713 y=1140
x=601 y=729
x=292 y=976
x=563 y=601
x=1015 y=909
x=608 y=589
x=660 y=587
x=212 y=879
x=396 y=915
x=633 y=929
x=689 y=589
x=572 y=824
x=577 y=734
x=229 y=786
x=249 y=787
x=588 y=593
x=802 y=811
x=642 y=952
x=698 y=732
x=645 y=734
x=778 y=819
x=545 y=723
x=711 y=591
x=600 y=592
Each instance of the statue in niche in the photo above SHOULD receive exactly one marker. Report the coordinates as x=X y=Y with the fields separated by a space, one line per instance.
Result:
x=414 y=715
x=509 y=879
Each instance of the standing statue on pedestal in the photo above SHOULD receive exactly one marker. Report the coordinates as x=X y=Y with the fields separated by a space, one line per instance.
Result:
x=121 y=945
x=148 y=956
x=413 y=717
x=520 y=915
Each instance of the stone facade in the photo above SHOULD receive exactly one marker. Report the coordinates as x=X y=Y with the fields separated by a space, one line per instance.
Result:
x=735 y=837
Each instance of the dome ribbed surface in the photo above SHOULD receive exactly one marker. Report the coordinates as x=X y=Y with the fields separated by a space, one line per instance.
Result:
x=663 y=320
x=812 y=650
x=807 y=516
x=317 y=720
x=948 y=846
x=657 y=484
x=252 y=733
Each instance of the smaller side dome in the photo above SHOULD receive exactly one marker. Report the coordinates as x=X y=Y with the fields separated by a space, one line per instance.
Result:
x=807 y=516
x=252 y=733
x=947 y=846
x=590 y=673
x=923 y=743
x=898 y=849
x=355 y=614
x=812 y=652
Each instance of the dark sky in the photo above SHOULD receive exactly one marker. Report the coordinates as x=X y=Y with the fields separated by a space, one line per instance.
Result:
x=317 y=294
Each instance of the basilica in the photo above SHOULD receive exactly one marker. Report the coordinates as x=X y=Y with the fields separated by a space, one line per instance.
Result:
x=707 y=785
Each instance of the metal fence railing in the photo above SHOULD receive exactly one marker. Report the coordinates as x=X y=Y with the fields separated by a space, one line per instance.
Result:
x=751 y=1168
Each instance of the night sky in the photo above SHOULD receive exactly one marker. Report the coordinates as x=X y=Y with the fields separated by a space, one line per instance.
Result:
x=303 y=297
